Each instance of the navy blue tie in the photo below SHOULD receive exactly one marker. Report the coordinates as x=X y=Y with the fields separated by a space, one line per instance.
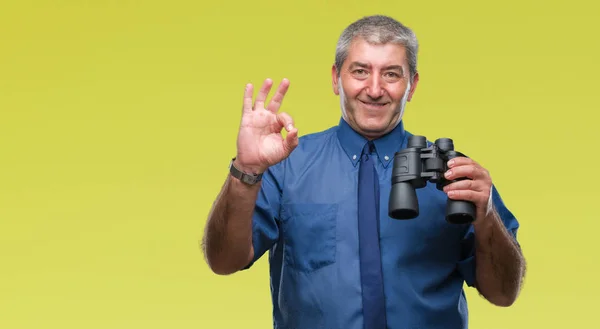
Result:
x=368 y=233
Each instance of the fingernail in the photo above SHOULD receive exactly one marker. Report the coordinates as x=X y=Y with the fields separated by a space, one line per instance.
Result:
x=289 y=127
x=450 y=163
x=451 y=193
x=448 y=173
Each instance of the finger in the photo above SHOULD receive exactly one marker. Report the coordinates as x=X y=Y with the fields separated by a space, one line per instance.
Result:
x=247 y=107
x=461 y=161
x=475 y=185
x=286 y=121
x=478 y=198
x=469 y=171
x=262 y=94
x=277 y=99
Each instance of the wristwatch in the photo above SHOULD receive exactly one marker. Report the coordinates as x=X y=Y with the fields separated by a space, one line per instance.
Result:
x=249 y=179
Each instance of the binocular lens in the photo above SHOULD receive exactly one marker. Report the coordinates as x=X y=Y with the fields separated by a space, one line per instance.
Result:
x=403 y=202
x=460 y=212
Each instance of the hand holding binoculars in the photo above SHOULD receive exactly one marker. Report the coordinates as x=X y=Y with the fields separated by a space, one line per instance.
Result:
x=418 y=164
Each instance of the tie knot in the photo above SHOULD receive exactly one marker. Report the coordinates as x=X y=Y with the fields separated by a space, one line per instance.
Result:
x=369 y=148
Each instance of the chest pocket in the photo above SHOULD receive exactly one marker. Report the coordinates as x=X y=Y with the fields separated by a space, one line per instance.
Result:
x=309 y=232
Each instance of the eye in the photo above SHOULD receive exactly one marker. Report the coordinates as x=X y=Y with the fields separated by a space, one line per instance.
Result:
x=360 y=73
x=392 y=76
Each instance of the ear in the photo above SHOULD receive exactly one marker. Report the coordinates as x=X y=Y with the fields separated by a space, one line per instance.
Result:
x=334 y=80
x=413 y=86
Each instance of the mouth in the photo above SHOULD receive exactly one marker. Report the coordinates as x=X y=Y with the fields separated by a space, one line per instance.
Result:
x=374 y=105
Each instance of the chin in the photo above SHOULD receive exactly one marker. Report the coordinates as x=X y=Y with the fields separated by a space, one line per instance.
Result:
x=370 y=123
x=374 y=129
x=375 y=123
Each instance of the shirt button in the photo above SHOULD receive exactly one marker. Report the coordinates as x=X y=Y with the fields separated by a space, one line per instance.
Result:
x=386 y=158
x=354 y=157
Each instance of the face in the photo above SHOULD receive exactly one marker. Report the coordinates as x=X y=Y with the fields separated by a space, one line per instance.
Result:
x=373 y=87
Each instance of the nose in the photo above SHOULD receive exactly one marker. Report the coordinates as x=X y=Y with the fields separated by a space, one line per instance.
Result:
x=374 y=87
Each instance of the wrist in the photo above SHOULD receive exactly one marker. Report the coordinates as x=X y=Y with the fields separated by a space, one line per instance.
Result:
x=246 y=174
x=487 y=222
x=248 y=169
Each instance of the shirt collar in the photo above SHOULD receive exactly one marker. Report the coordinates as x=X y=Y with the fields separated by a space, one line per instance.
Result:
x=386 y=146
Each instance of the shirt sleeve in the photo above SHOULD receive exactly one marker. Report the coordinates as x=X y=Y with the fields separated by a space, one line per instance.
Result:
x=265 y=228
x=466 y=265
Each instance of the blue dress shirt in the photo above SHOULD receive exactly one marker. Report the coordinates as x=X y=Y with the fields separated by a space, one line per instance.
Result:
x=306 y=217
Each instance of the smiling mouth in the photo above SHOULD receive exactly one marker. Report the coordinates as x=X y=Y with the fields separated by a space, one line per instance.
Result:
x=373 y=104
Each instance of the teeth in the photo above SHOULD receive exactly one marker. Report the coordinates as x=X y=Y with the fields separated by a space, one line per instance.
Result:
x=374 y=104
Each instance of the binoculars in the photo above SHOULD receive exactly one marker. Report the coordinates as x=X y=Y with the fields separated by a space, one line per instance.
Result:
x=413 y=168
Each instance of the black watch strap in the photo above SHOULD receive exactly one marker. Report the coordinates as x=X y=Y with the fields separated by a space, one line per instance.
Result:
x=249 y=179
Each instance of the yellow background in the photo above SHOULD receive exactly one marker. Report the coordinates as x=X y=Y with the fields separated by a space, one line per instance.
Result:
x=118 y=120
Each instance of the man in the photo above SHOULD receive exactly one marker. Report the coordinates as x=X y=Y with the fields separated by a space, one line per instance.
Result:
x=318 y=204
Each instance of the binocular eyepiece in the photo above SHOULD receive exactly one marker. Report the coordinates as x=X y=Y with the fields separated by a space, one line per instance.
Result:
x=413 y=168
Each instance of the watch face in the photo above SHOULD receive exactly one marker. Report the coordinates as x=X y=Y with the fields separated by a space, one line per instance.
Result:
x=248 y=179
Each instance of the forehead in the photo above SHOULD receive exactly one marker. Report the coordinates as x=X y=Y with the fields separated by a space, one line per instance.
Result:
x=377 y=55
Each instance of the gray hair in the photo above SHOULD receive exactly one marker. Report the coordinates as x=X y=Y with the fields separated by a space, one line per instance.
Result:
x=378 y=29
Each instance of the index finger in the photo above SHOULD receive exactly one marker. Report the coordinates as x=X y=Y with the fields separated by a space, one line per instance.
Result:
x=277 y=99
x=461 y=161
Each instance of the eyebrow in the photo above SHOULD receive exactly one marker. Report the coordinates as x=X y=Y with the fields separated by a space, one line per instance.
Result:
x=395 y=67
x=390 y=67
x=359 y=64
